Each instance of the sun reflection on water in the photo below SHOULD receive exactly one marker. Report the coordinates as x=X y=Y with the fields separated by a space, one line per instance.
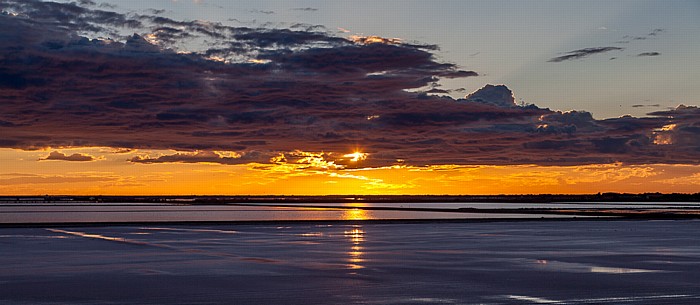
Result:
x=356 y=235
x=355 y=214
x=355 y=254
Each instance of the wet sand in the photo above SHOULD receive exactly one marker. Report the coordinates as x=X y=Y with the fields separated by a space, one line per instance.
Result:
x=513 y=262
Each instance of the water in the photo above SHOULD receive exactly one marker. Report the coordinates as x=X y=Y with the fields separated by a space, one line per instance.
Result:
x=131 y=212
x=168 y=213
x=512 y=205
x=514 y=262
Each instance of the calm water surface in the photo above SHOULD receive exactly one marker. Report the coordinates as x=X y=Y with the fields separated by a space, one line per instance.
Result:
x=514 y=262
x=161 y=213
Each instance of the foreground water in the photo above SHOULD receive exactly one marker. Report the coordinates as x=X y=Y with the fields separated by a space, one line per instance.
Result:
x=505 y=262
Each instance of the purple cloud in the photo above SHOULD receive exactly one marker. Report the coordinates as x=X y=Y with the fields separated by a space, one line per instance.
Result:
x=268 y=92
x=55 y=155
x=202 y=157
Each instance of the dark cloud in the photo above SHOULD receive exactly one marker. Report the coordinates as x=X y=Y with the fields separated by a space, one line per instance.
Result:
x=285 y=38
x=155 y=11
x=107 y=5
x=681 y=132
x=69 y=16
x=55 y=155
x=203 y=157
x=650 y=35
x=87 y=2
x=437 y=90
x=630 y=38
x=498 y=95
x=583 y=53
x=460 y=73
x=648 y=54
x=305 y=9
x=300 y=95
x=656 y=32
x=263 y=12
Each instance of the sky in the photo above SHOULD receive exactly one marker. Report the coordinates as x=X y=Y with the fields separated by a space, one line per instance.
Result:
x=349 y=97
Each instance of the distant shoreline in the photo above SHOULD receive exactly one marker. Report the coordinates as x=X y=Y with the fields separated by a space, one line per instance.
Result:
x=227 y=199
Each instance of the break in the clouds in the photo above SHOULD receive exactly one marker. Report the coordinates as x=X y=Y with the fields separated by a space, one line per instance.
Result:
x=77 y=157
x=583 y=53
x=301 y=95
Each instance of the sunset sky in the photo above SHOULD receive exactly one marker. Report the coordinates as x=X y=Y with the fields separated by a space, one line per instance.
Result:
x=349 y=97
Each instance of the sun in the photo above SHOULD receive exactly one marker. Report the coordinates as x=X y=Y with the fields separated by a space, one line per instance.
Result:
x=356 y=156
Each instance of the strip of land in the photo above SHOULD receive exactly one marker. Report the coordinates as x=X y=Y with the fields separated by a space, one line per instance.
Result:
x=225 y=199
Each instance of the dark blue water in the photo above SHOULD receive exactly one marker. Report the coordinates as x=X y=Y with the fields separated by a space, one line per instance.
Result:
x=514 y=262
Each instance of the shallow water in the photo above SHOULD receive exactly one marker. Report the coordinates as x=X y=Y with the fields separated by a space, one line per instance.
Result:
x=131 y=212
x=170 y=213
x=513 y=205
x=515 y=262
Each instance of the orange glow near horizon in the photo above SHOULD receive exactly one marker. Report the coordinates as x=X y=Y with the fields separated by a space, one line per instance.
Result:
x=24 y=173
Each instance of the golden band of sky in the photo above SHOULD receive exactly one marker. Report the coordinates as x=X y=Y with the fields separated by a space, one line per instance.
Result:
x=24 y=173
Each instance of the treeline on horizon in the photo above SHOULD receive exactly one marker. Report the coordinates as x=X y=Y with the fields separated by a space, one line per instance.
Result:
x=225 y=199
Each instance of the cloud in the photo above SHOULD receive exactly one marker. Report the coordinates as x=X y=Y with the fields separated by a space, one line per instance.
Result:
x=77 y=157
x=656 y=32
x=648 y=54
x=228 y=158
x=583 y=53
x=498 y=95
x=155 y=11
x=87 y=2
x=437 y=90
x=650 y=35
x=263 y=12
x=305 y=9
x=56 y=179
x=262 y=93
x=683 y=133
x=693 y=179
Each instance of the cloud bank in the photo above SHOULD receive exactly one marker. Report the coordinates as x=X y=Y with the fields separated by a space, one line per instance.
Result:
x=262 y=93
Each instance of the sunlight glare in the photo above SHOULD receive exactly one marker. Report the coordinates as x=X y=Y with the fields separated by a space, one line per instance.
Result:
x=356 y=156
